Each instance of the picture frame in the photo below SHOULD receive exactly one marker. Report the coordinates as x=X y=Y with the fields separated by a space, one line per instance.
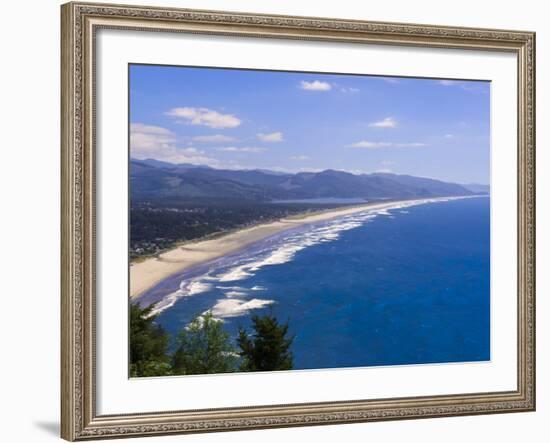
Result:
x=80 y=25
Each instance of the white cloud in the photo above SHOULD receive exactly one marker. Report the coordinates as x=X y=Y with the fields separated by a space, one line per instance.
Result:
x=273 y=137
x=251 y=149
x=448 y=136
x=349 y=90
x=365 y=144
x=150 y=129
x=294 y=170
x=147 y=141
x=475 y=87
x=147 y=137
x=391 y=80
x=409 y=145
x=318 y=85
x=315 y=86
x=299 y=157
x=388 y=122
x=217 y=138
x=370 y=145
x=204 y=117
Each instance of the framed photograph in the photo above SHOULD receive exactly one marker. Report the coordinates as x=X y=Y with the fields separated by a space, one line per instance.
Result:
x=283 y=221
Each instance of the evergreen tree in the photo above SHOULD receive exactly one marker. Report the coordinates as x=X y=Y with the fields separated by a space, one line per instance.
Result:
x=204 y=348
x=268 y=349
x=148 y=344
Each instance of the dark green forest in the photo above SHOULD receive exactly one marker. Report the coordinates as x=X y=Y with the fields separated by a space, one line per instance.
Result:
x=204 y=347
x=159 y=223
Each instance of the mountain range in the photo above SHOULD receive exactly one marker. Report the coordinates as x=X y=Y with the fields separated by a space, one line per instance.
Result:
x=153 y=179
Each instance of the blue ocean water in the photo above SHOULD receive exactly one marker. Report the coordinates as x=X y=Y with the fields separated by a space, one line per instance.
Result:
x=408 y=285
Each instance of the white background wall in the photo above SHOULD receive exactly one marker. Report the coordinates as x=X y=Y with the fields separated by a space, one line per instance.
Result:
x=29 y=225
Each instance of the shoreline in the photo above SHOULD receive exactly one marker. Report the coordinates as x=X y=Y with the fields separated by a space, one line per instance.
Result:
x=147 y=273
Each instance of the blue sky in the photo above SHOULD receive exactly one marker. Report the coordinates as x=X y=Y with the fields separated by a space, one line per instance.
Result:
x=290 y=121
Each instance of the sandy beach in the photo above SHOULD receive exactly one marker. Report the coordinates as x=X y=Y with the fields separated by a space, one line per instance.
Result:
x=147 y=273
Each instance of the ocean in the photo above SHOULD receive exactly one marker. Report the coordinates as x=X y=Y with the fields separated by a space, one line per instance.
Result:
x=408 y=285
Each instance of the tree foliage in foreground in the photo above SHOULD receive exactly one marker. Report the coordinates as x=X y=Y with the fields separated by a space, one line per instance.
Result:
x=148 y=344
x=204 y=347
x=269 y=347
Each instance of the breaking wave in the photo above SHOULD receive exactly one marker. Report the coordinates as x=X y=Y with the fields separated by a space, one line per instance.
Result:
x=280 y=249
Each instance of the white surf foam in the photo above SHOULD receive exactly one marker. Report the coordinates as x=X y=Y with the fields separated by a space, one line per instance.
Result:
x=235 y=294
x=231 y=288
x=235 y=274
x=187 y=289
x=285 y=252
x=225 y=308
x=318 y=233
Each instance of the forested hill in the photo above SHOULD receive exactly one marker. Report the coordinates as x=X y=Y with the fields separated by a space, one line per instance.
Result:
x=154 y=179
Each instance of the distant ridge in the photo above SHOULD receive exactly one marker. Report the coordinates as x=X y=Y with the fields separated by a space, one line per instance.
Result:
x=477 y=188
x=153 y=178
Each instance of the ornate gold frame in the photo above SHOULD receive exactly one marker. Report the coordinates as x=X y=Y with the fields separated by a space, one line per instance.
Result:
x=80 y=21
